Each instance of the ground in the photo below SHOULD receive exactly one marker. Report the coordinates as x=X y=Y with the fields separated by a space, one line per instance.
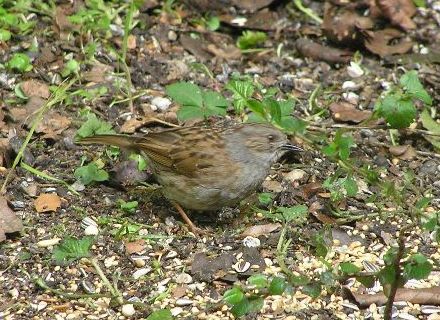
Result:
x=359 y=204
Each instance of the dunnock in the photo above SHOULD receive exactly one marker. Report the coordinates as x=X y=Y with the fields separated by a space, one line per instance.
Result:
x=204 y=168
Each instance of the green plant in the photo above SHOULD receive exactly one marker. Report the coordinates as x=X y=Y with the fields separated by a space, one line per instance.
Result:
x=128 y=207
x=70 y=68
x=71 y=249
x=95 y=17
x=195 y=102
x=397 y=106
x=91 y=173
x=94 y=126
x=251 y=39
x=250 y=299
x=19 y=62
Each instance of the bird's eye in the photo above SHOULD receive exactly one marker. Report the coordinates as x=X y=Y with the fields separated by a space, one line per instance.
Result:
x=271 y=137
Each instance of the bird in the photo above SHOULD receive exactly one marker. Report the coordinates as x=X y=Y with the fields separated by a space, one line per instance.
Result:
x=206 y=168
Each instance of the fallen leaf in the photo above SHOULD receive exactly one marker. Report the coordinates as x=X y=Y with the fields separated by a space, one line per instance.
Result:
x=315 y=209
x=35 y=88
x=260 y=230
x=405 y=152
x=228 y=53
x=9 y=222
x=346 y=112
x=319 y=52
x=399 y=12
x=135 y=246
x=131 y=125
x=378 y=42
x=47 y=202
x=53 y=124
x=431 y=125
x=98 y=73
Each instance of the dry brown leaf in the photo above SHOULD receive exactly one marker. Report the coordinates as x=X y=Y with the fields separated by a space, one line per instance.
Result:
x=228 y=53
x=9 y=222
x=378 y=42
x=251 y=5
x=310 y=189
x=315 y=209
x=47 y=202
x=35 y=88
x=135 y=246
x=260 y=230
x=399 y=12
x=131 y=125
x=53 y=124
x=343 y=111
x=318 y=52
x=98 y=73
x=405 y=152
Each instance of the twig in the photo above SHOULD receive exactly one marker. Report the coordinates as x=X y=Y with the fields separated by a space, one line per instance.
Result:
x=397 y=271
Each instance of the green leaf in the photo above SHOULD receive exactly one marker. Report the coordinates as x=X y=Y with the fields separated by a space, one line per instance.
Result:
x=242 y=91
x=257 y=107
x=431 y=125
x=328 y=278
x=142 y=163
x=90 y=173
x=367 y=281
x=94 y=126
x=163 y=314
x=258 y=280
x=251 y=39
x=213 y=23
x=313 y=290
x=431 y=224
x=129 y=206
x=5 y=35
x=214 y=103
x=299 y=280
x=71 y=67
x=387 y=275
x=287 y=107
x=71 y=249
x=274 y=109
x=256 y=303
x=420 y=3
x=20 y=62
x=349 y=268
x=241 y=308
x=233 y=296
x=417 y=267
x=350 y=186
x=265 y=198
x=185 y=94
x=277 y=286
x=398 y=111
x=296 y=213
x=410 y=81
x=340 y=146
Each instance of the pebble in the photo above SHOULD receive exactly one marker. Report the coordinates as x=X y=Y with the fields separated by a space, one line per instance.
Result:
x=251 y=242
x=351 y=97
x=48 y=242
x=91 y=231
x=141 y=272
x=161 y=103
x=172 y=35
x=354 y=70
x=241 y=266
x=183 y=302
x=184 y=278
x=350 y=85
x=176 y=311
x=296 y=174
x=139 y=263
x=128 y=310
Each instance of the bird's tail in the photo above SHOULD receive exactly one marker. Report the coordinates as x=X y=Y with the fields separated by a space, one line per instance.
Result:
x=126 y=142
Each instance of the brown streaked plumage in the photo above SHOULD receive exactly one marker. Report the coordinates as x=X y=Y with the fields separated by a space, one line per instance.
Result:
x=205 y=168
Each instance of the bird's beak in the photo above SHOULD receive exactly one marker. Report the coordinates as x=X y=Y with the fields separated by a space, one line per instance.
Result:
x=291 y=147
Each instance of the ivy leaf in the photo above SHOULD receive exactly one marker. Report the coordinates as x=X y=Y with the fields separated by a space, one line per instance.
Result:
x=72 y=249
x=417 y=267
x=94 y=126
x=90 y=173
x=398 y=111
x=410 y=81
x=185 y=94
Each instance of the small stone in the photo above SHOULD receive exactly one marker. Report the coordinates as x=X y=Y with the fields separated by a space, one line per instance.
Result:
x=183 y=278
x=172 y=35
x=161 y=103
x=183 y=302
x=128 y=310
x=141 y=272
x=351 y=97
x=251 y=242
x=350 y=85
x=354 y=70
x=296 y=174
x=48 y=242
x=14 y=293
x=176 y=311
x=139 y=263
x=91 y=230
x=241 y=266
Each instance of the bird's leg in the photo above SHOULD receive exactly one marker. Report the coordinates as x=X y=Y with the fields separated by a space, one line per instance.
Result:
x=192 y=227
